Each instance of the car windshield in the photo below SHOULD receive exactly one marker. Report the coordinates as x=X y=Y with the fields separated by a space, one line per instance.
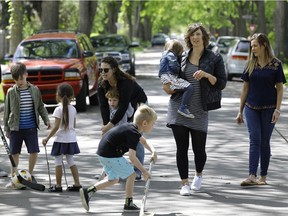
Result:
x=243 y=46
x=42 y=49
x=225 y=42
x=108 y=42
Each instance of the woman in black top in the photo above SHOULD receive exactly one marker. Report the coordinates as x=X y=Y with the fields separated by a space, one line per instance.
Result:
x=129 y=92
x=205 y=71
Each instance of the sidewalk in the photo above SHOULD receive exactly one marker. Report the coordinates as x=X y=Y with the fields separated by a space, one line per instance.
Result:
x=221 y=194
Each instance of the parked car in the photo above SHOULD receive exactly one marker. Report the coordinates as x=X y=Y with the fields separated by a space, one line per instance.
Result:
x=236 y=57
x=117 y=46
x=159 y=39
x=223 y=42
x=54 y=57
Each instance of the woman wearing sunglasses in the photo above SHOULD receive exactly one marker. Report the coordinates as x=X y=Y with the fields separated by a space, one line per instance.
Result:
x=111 y=76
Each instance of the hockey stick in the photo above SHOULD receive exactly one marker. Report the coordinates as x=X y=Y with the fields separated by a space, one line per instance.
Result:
x=147 y=185
x=281 y=134
x=64 y=171
x=48 y=167
x=23 y=181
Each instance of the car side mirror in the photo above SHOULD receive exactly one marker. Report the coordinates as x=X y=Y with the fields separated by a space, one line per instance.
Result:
x=8 y=57
x=87 y=53
x=224 y=51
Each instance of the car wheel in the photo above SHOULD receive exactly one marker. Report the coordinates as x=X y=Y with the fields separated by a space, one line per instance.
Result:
x=132 y=70
x=81 y=105
x=93 y=100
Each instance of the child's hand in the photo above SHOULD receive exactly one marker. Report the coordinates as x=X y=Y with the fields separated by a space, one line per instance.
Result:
x=44 y=142
x=154 y=157
x=7 y=134
x=146 y=175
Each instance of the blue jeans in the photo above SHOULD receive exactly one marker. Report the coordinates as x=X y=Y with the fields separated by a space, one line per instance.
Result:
x=140 y=153
x=260 y=130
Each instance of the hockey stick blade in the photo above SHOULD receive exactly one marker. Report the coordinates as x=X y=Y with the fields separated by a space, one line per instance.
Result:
x=23 y=181
x=147 y=185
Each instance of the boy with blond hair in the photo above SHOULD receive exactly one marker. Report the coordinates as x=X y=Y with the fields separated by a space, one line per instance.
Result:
x=113 y=145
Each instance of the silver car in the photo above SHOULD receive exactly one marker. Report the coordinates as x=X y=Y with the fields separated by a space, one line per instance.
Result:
x=236 y=58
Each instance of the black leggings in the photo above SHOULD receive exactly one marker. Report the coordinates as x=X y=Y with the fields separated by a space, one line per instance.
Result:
x=181 y=136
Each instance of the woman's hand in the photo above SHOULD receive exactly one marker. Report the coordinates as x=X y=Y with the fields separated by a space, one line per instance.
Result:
x=239 y=118
x=166 y=88
x=198 y=75
x=275 y=116
x=106 y=127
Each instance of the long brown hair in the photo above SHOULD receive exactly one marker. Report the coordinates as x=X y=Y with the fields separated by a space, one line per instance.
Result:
x=119 y=74
x=65 y=93
x=191 y=29
x=268 y=55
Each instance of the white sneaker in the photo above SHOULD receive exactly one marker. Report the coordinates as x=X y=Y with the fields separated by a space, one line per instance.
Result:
x=196 y=184
x=10 y=185
x=185 y=190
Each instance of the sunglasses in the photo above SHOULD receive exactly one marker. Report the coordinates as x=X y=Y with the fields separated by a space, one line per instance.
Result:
x=105 y=70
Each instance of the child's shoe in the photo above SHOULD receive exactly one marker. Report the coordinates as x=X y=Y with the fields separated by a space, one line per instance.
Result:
x=85 y=195
x=131 y=208
x=55 y=189
x=184 y=111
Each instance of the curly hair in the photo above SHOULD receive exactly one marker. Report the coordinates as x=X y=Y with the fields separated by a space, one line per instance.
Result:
x=191 y=29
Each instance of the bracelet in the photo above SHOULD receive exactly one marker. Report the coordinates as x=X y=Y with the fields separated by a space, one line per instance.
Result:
x=278 y=111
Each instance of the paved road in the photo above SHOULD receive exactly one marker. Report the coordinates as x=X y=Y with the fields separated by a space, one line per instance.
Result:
x=227 y=149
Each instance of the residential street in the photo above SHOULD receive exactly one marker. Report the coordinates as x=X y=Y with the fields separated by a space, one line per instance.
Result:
x=226 y=167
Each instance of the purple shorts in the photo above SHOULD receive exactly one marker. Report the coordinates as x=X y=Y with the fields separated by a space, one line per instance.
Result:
x=29 y=136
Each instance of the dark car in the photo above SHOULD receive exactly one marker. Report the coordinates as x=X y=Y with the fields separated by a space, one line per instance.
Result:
x=117 y=46
x=159 y=39
x=54 y=57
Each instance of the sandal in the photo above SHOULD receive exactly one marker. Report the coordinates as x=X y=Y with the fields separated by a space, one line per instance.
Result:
x=73 y=188
x=249 y=181
x=55 y=189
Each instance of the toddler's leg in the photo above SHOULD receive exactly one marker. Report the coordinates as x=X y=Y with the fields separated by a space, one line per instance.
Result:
x=183 y=109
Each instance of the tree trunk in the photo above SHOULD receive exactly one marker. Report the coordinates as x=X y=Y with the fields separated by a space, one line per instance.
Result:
x=281 y=29
x=4 y=15
x=16 y=25
x=50 y=15
x=87 y=11
x=113 y=10
x=261 y=17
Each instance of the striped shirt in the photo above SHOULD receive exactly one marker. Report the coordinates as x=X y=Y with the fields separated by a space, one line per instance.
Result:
x=27 y=115
x=200 y=122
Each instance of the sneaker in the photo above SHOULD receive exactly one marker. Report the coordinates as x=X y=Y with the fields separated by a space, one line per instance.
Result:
x=85 y=196
x=185 y=112
x=3 y=173
x=138 y=178
x=196 y=184
x=185 y=190
x=10 y=185
x=131 y=208
x=55 y=189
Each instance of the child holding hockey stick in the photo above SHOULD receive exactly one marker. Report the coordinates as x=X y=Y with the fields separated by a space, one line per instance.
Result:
x=23 y=107
x=65 y=142
x=113 y=145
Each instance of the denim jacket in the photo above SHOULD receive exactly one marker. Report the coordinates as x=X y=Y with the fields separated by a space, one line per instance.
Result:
x=12 y=107
x=213 y=64
x=169 y=63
